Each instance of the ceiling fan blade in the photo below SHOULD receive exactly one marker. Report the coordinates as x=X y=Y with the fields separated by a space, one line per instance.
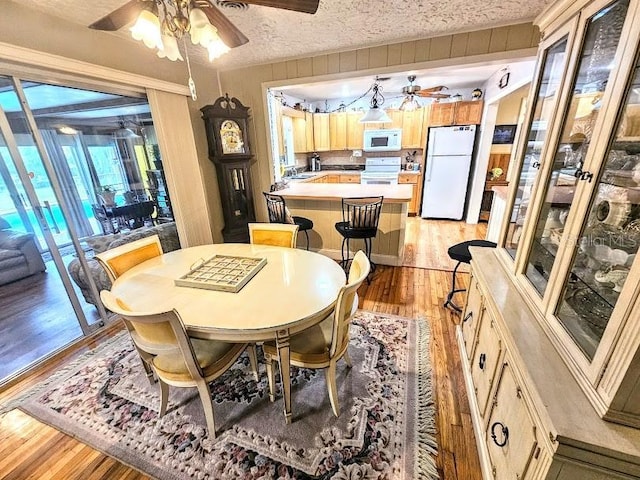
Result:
x=229 y=33
x=424 y=94
x=304 y=6
x=434 y=89
x=119 y=17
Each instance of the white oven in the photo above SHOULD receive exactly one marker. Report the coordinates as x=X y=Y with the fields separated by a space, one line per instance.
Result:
x=389 y=140
x=381 y=171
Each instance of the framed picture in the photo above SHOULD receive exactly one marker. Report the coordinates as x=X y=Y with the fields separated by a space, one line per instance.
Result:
x=504 y=134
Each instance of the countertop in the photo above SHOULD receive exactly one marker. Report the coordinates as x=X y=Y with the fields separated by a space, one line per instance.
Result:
x=337 y=191
x=322 y=173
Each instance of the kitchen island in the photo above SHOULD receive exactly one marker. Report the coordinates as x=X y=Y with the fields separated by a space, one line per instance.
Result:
x=322 y=203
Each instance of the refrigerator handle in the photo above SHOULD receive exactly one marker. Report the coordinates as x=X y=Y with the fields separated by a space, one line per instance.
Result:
x=429 y=168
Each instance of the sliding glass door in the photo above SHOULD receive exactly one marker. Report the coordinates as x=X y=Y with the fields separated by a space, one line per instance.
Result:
x=79 y=169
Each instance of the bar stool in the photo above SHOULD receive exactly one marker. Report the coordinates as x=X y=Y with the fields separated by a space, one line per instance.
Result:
x=279 y=213
x=460 y=252
x=360 y=216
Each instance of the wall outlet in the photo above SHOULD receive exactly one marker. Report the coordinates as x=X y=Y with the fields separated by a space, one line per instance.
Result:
x=357 y=153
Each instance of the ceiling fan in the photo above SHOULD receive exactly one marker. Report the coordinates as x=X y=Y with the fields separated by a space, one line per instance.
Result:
x=229 y=33
x=432 y=92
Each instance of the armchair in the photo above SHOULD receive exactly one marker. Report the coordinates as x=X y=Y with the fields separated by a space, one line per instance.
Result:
x=19 y=254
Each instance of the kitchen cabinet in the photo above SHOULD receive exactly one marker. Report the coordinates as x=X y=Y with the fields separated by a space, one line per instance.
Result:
x=303 y=133
x=442 y=114
x=350 y=178
x=456 y=113
x=412 y=129
x=321 y=136
x=355 y=131
x=331 y=178
x=415 y=180
x=338 y=131
x=468 y=113
x=561 y=288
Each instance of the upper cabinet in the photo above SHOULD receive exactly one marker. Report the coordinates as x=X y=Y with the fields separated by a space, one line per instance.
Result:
x=338 y=131
x=573 y=234
x=355 y=131
x=456 y=113
x=321 y=138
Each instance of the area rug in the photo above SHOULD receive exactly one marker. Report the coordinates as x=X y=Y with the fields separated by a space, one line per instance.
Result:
x=385 y=429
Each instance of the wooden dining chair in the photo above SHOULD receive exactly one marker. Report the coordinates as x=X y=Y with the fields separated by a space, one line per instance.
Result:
x=120 y=259
x=176 y=358
x=322 y=345
x=278 y=234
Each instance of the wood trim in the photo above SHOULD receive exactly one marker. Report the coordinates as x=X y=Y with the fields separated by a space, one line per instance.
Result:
x=182 y=169
x=47 y=61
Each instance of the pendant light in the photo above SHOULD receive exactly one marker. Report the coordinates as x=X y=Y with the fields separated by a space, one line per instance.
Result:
x=124 y=132
x=375 y=114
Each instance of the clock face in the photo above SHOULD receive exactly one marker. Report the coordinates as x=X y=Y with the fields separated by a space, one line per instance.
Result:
x=231 y=138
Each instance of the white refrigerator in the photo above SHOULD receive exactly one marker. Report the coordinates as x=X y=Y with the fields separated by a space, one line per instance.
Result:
x=446 y=173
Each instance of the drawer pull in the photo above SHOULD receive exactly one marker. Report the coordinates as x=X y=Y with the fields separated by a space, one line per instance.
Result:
x=505 y=434
x=482 y=361
x=469 y=316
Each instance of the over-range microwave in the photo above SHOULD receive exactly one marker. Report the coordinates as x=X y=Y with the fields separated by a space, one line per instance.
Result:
x=388 y=140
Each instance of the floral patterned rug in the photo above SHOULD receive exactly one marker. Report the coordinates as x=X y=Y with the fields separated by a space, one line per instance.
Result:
x=385 y=429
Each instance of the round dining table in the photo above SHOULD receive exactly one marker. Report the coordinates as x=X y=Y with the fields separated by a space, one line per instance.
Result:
x=294 y=290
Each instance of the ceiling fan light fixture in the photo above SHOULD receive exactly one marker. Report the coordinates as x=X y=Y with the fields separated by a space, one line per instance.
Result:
x=409 y=104
x=125 y=133
x=170 y=50
x=147 y=30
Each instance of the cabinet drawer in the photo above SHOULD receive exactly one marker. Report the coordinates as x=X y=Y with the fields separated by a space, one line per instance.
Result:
x=353 y=178
x=408 y=178
x=471 y=316
x=511 y=433
x=488 y=353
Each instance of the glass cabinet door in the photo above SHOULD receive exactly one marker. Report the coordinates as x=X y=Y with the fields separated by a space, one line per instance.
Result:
x=553 y=64
x=609 y=242
x=594 y=67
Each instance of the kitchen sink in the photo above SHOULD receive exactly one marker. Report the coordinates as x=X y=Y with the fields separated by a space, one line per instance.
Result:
x=303 y=175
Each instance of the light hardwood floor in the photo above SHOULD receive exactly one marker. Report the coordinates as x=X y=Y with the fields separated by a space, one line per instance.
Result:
x=32 y=450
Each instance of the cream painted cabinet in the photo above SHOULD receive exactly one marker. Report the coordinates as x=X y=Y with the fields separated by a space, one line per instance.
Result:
x=321 y=136
x=562 y=286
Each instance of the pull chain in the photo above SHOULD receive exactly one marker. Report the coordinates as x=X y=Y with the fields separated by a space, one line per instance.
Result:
x=191 y=83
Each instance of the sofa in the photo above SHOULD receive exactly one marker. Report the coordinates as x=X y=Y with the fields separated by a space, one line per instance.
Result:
x=19 y=254
x=167 y=233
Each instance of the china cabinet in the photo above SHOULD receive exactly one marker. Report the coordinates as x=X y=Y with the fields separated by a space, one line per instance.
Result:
x=551 y=332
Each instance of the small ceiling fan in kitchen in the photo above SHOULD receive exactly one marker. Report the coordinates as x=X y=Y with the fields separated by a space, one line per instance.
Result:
x=411 y=91
x=160 y=24
x=432 y=92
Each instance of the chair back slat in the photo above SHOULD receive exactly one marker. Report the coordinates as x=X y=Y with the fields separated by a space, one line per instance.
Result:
x=276 y=208
x=362 y=213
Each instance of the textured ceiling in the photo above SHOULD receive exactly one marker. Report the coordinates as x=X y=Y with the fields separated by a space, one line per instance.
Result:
x=338 y=24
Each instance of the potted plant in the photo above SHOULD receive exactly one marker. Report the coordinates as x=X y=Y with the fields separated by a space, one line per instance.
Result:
x=107 y=196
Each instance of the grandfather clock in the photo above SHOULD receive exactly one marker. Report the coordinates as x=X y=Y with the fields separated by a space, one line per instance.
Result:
x=229 y=149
